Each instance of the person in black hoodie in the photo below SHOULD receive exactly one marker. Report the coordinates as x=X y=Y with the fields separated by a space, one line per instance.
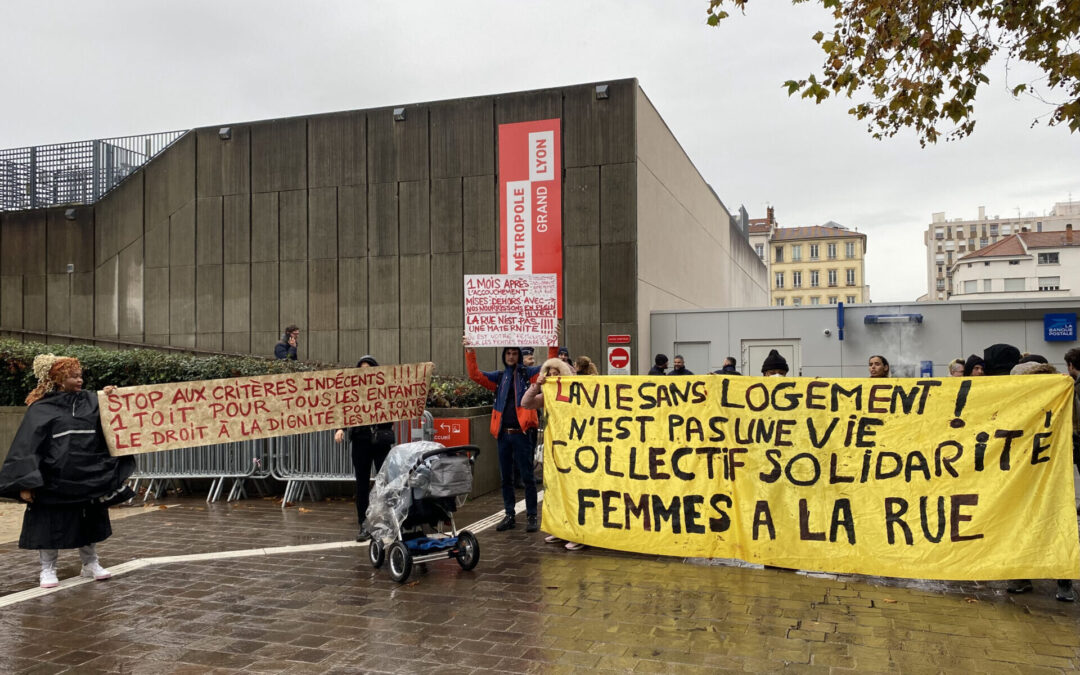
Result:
x=59 y=466
x=286 y=349
x=370 y=446
x=659 y=365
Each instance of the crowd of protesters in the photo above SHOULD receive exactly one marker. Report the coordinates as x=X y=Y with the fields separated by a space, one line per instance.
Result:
x=59 y=464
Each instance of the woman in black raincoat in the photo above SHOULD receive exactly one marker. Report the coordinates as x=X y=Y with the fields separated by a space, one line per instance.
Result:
x=59 y=465
x=370 y=446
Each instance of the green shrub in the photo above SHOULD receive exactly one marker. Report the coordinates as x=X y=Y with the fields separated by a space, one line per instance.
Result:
x=130 y=367
x=134 y=367
x=457 y=392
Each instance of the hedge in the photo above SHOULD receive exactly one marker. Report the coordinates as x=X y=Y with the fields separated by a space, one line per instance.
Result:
x=132 y=367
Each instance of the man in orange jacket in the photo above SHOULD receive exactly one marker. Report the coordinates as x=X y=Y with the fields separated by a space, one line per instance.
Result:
x=510 y=425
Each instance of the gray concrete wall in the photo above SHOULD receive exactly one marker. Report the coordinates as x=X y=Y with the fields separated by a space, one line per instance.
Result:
x=688 y=254
x=359 y=229
x=949 y=330
x=10 y=419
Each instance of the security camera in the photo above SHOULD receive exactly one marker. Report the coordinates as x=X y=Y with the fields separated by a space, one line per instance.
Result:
x=827 y=332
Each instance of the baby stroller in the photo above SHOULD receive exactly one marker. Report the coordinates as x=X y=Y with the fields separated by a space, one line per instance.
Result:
x=414 y=498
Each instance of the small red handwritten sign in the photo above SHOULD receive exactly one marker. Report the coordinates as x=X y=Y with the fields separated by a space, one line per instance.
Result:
x=504 y=310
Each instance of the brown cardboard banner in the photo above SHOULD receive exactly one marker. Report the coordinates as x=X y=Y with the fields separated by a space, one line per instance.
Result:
x=157 y=417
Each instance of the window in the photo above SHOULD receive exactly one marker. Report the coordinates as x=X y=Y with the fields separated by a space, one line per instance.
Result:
x=949 y=246
x=983 y=241
x=796 y=279
x=779 y=254
x=971 y=286
x=850 y=277
x=832 y=299
x=959 y=234
x=1006 y=229
x=949 y=257
x=986 y=263
x=797 y=302
x=993 y=230
x=814 y=274
x=939 y=233
x=1048 y=258
x=779 y=302
x=987 y=285
x=1049 y=283
x=849 y=248
x=796 y=252
x=1014 y=284
x=831 y=249
x=851 y=299
x=941 y=284
x=974 y=230
x=1038 y=226
x=760 y=250
x=815 y=300
x=779 y=279
x=814 y=251
x=832 y=277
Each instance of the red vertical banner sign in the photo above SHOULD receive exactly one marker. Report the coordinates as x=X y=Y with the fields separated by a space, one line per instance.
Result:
x=530 y=200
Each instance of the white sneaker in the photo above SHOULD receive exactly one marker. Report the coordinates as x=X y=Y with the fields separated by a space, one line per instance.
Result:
x=95 y=570
x=48 y=578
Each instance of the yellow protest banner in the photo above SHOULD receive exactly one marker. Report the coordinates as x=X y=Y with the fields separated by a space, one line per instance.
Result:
x=157 y=417
x=957 y=478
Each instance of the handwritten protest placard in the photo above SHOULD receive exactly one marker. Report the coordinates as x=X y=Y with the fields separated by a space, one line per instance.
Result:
x=157 y=417
x=511 y=309
x=935 y=479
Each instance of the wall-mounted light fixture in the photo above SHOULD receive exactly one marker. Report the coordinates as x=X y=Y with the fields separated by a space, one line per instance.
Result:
x=892 y=318
x=601 y=91
x=69 y=214
x=399 y=114
x=224 y=133
x=70 y=268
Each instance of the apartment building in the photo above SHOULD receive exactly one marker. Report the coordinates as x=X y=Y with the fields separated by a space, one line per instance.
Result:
x=815 y=265
x=949 y=240
x=1020 y=267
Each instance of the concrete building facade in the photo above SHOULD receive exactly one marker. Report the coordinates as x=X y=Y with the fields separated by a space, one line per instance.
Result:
x=949 y=240
x=359 y=226
x=1020 y=266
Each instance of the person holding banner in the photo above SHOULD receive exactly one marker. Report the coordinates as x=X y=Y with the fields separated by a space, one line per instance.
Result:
x=59 y=466
x=1065 y=592
x=370 y=446
x=534 y=400
x=879 y=366
x=510 y=424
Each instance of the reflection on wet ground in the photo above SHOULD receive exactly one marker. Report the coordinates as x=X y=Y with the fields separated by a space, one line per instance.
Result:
x=528 y=607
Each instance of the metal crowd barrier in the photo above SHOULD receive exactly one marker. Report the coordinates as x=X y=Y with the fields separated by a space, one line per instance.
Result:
x=229 y=461
x=302 y=461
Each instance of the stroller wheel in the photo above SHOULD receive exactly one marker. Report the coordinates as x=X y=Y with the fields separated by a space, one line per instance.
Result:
x=400 y=561
x=468 y=550
x=376 y=553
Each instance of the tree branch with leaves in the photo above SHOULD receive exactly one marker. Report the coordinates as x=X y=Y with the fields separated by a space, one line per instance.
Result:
x=923 y=62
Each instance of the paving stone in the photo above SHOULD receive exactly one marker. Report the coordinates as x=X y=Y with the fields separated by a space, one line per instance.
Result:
x=528 y=607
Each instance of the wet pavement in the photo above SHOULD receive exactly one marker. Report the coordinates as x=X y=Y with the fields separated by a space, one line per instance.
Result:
x=527 y=607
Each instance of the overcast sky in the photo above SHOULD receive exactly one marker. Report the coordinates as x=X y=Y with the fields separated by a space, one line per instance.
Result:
x=90 y=69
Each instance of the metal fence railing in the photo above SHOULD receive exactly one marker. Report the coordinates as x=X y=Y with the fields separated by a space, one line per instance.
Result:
x=79 y=172
x=301 y=461
x=304 y=460
x=230 y=461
